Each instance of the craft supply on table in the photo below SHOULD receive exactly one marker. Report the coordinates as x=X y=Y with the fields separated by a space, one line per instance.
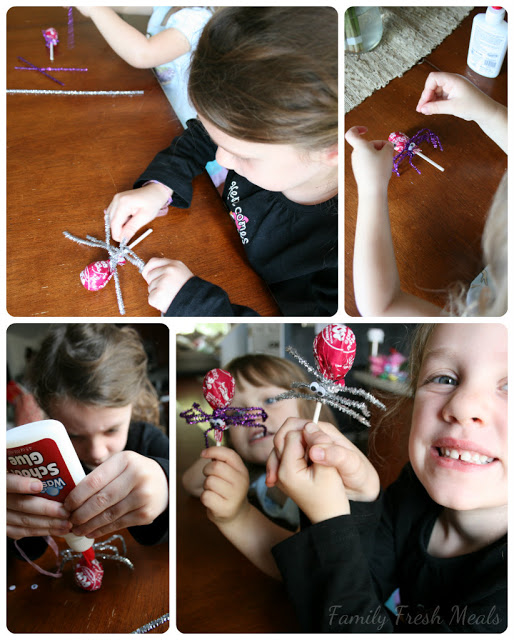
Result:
x=71 y=30
x=51 y=40
x=33 y=67
x=334 y=353
x=54 y=92
x=96 y=275
x=408 y=148
x=43 y=450
x=218 y=389
x=149 y=626
x=488 y=42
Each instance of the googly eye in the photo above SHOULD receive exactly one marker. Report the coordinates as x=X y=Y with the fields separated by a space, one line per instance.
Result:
x=316 y=388
x=411 y=146
x=218 y=422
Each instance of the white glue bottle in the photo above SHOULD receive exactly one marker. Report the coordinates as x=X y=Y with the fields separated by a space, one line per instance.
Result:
x=43 y=450
x=488 y=42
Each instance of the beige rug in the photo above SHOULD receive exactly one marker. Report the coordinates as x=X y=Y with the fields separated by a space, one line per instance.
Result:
x=410 y=33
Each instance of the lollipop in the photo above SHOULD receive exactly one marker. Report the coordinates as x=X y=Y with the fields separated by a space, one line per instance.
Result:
x=334 y=351
x=51 y=38
x=218 y=390
x=96 y=275
x=408 y=147
x=88 y=575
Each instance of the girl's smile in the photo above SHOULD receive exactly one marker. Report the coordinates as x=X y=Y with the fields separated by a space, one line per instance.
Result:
x=458 y=440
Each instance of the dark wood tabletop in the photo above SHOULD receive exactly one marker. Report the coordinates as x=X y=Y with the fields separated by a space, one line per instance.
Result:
x=127 y=600
x=436 y=218
x=67 y=156
x=218 y=589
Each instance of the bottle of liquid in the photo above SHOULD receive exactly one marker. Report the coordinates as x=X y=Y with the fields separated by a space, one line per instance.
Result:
x=488 y=42
x=43 y=450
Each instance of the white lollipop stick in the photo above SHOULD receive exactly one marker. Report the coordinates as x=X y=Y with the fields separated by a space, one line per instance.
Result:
x=51 y=52
x=421 y=155
x=142 y=237
x=317 y=412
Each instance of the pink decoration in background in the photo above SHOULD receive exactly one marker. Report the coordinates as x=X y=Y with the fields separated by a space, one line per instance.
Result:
x=334 y=349
x=89 y=576
x=218 y=388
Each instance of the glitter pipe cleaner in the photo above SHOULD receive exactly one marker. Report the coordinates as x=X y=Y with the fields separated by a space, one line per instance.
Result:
x=50 y=68
x=102 y=550
x=224 y=417
x=153 y=624
x=54 y=92
x=334 y=352
x=33 y=67
x=71 y=32
x=116 y=254
x=410 y=149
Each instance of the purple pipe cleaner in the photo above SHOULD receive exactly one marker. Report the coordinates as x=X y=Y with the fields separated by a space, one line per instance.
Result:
x=423 y=135
x=71 y=33
x=221 y=419
x=51 y=68
x=36 y=68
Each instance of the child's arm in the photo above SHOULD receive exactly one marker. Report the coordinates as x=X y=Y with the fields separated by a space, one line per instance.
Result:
x=133 y=46
x=127 y=490
x=375 y=275
x=327 y=446
x=225 y=497
x=194 y=477
x=455 y=95
x=165 y=278
x=29 y=514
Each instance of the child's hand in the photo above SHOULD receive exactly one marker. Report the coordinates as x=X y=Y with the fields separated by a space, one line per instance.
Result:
x=455 y=95
x=226 y=485
x=131 y=210
x=165 y=278
x=126 y=490
x=328 y=447
x=28 y=514
x=317 y=490
x=372 y=161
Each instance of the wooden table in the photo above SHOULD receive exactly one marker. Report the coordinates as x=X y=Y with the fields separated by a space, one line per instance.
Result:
x=436 y=218
x=218 y=589
x=127 y=600
x=66 y=158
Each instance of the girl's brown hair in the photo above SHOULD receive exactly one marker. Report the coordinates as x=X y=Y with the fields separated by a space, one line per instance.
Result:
x=269 y=75
x=261 y=370
x=95 y=364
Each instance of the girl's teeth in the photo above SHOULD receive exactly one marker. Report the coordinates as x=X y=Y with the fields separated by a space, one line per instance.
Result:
x=466 y=456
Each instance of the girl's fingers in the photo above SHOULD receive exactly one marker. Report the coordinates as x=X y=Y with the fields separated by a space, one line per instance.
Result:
x=272 y=469
x=353 y=135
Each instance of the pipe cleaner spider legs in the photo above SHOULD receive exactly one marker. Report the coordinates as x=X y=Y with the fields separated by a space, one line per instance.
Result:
x=101 y=551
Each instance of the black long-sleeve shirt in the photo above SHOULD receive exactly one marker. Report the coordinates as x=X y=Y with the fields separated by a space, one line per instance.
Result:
x=293 y=247
x=339 y=572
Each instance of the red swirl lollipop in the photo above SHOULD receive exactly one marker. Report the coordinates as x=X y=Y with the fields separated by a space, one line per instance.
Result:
x=334 y=351
x=89 y=576
x=218 y=388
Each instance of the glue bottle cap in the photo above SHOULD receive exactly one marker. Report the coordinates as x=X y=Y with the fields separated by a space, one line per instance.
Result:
x=494 y=15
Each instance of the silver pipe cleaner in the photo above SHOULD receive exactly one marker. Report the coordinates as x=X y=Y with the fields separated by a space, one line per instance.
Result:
x=115 y=255
x=327 y=392
x=153 y=624
x=101 y=549
x=53 y=92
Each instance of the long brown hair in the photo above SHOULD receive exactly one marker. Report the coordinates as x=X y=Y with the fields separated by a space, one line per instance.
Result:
x=269 y=75
x=95 y=364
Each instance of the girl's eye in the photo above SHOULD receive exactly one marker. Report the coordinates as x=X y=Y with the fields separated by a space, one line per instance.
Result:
x=443 y=379
x=505 y=387
x=271 y=401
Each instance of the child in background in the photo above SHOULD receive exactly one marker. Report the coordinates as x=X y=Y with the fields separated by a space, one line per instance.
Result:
x=172 y=35
x=376 y=283
x=439 y=533
x=264 y=85
x=230 y=480
x=93 y=378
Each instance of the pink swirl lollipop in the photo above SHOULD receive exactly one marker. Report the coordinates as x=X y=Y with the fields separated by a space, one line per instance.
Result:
x=334 y=350
x=51 y=39
x=89 y=576
x=405 y=146
x=400 y=141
